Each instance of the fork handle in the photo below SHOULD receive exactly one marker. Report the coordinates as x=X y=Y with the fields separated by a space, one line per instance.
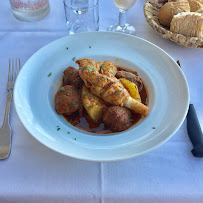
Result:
x=7 y=110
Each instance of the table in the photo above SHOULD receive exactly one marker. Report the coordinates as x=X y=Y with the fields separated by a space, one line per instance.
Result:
x=34 y=173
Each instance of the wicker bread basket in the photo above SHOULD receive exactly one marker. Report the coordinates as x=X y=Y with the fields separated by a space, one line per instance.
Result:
x=151 y=10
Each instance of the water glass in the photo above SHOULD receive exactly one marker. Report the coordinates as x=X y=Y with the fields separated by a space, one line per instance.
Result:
x=30 y=10
x=82 y=15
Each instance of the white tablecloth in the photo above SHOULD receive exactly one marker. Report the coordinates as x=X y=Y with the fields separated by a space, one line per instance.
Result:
x=34 y=173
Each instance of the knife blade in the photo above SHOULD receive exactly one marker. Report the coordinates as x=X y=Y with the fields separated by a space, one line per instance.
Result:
x=194 y=132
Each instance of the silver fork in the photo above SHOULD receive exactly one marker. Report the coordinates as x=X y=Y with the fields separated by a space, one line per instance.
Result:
x=5 y=130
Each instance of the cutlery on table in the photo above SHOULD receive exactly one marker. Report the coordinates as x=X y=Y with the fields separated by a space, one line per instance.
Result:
x=5 y=130
x=194 y=132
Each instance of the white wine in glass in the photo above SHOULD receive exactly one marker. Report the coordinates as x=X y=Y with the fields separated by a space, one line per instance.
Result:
x=123 y=6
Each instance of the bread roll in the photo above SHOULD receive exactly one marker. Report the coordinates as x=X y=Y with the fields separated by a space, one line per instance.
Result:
x=189 y=24
x=194 y=5
x=200 y=10
x=200 y=1
x=177 y=0
x=168 y=10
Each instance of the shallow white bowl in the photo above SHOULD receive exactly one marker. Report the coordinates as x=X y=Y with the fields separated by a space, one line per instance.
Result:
x=167 y=88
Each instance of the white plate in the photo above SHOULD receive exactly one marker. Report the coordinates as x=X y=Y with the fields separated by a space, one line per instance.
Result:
x=167 y=87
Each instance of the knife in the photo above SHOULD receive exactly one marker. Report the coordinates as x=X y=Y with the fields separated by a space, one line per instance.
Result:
x=194 y=132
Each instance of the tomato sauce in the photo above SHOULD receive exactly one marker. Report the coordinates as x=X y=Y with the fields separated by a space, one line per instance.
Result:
x=87 y=124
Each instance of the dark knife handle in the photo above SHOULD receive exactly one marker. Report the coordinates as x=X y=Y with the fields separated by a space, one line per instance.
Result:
x=194 y=132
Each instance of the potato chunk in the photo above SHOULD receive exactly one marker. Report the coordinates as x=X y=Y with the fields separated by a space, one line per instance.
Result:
x=94 y=107
x=132 y=89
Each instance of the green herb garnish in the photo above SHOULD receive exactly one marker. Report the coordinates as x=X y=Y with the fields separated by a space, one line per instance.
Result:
x=63 y=89
x=103 y=68
x=131 y=119
x=67 y=79
x=90 y=106
x=58 y=129
x=73 y=103
x=92 y=67
x=153 y=128
x=84 y=68
x=85 y=95
x=93 y=131
x=67 y=48
x=68 y=132
x=49 y=74
x=73 y=58
x=90 y=47
x=75 y=138
x=116 y=93
x=103 y=127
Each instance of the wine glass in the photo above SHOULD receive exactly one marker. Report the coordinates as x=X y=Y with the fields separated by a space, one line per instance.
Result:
x=122 y=26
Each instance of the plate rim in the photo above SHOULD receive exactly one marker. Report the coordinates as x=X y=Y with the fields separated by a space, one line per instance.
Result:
x=118 y=159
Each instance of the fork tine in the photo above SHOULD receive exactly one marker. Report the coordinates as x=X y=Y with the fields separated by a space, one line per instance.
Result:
x=12 y=69
x=16 y=70
x=19 y=64
x=9 y=69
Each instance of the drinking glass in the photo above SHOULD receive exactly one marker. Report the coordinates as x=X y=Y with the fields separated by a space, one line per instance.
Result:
x=30 y=10
x=81 y=15
x=122 y=26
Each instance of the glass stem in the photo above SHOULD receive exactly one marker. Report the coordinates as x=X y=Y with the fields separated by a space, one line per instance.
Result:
x=122 y=17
